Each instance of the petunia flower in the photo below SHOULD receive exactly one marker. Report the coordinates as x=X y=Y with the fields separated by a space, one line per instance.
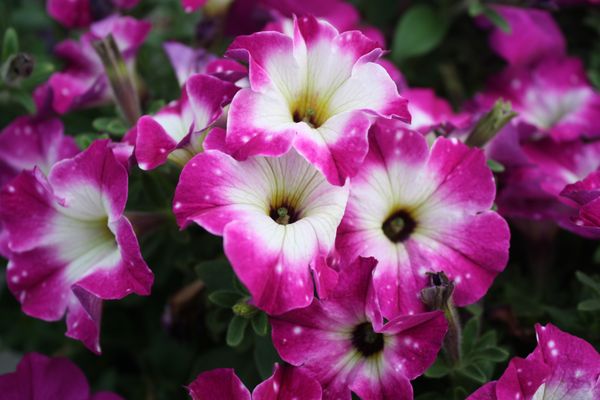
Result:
x=544 y=38
x=561 y=367
x=429 y=112
x=70 y=244
x=286 y=383
x=277 y=215
x=343 y=342
x=39 y=378
x=317 y=92
x=187 y=61
x=83 y=83
x=177 y=131
x=80 y=13
x=419 y=210
x=28 y=142
x=545 y=185
x=564 y=109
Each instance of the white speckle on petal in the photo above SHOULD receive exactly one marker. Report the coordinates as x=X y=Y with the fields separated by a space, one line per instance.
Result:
x=551 y=344
x=297 y=330
x=11 y=189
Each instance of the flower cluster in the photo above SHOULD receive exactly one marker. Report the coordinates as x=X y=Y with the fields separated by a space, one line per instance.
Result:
x=356 y=211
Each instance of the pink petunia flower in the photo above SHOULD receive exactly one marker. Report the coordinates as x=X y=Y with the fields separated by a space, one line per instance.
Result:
x=277 y=216
x=317 y=92
x=286 y=383
x=70 y=244
x=80 y=13
x=429 y=112
x=177 y=131
x=544 y=38
x=28 y=142
x=544 y=186
x=39 y=378
x=564 y=109
x=561 y=367
x=83 y=83
x=187 y=61
x=419 y=210
x=343 y=342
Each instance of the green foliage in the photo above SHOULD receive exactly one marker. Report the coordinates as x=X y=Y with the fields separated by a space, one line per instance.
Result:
x=420 y=30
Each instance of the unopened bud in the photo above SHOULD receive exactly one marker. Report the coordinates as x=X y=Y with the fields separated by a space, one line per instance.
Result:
x=243 y=309
x=120 y=79
x=491 y=123
x=16 y=68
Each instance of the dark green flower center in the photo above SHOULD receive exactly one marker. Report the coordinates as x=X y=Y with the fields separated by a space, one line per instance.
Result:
x=283 y=215
x=366 y=341
x=399 y=226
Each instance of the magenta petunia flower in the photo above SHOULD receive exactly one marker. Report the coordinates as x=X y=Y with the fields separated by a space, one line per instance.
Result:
x=419 y=210
x=544 y=38
x=343 y=342
x=286 y=383
x=28 y=142
x=83 y=83
x=317 y=91
x=544 y=186
x=429 y=112
x=70 y=244
x=561 y=367
x=277 y=216
x=177 y=131
x=562 y=108
x=80 y=13
x=187 y=61
x=40 y=378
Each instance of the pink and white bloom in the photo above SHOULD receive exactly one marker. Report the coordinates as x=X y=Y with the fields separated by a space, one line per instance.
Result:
x=545 y=185
x=561 y=367
x=318 y=92
x=429 y=112
x=343 y=342
x=277 y=215
x=80 y=13
x=177 y=131
x=419 y=210
x=70 y=244
x=286 y=383
x=41 y=378
x=83 y=83
x=564 y=109
x=187 y=61
x=28 y=142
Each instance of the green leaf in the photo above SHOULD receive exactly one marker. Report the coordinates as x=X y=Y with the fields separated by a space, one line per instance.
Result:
x=588 y=281
x=460 y=393
x=496 y=19
x=495 y=354
x=85 y=139
x=419 y=31
x=495 y=166
x=474 y=372
x=439 y=369
x=469 y=335
x=488 y=339
x=155 y=106
x=589 y=305
x=24 y=99
x=224 y=298
x=265 y=356
x=10 y=44
x=116 y=126
x=260 y=324
x=236 y=330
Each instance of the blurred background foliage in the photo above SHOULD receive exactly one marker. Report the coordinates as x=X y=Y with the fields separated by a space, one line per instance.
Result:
x=196 y=317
